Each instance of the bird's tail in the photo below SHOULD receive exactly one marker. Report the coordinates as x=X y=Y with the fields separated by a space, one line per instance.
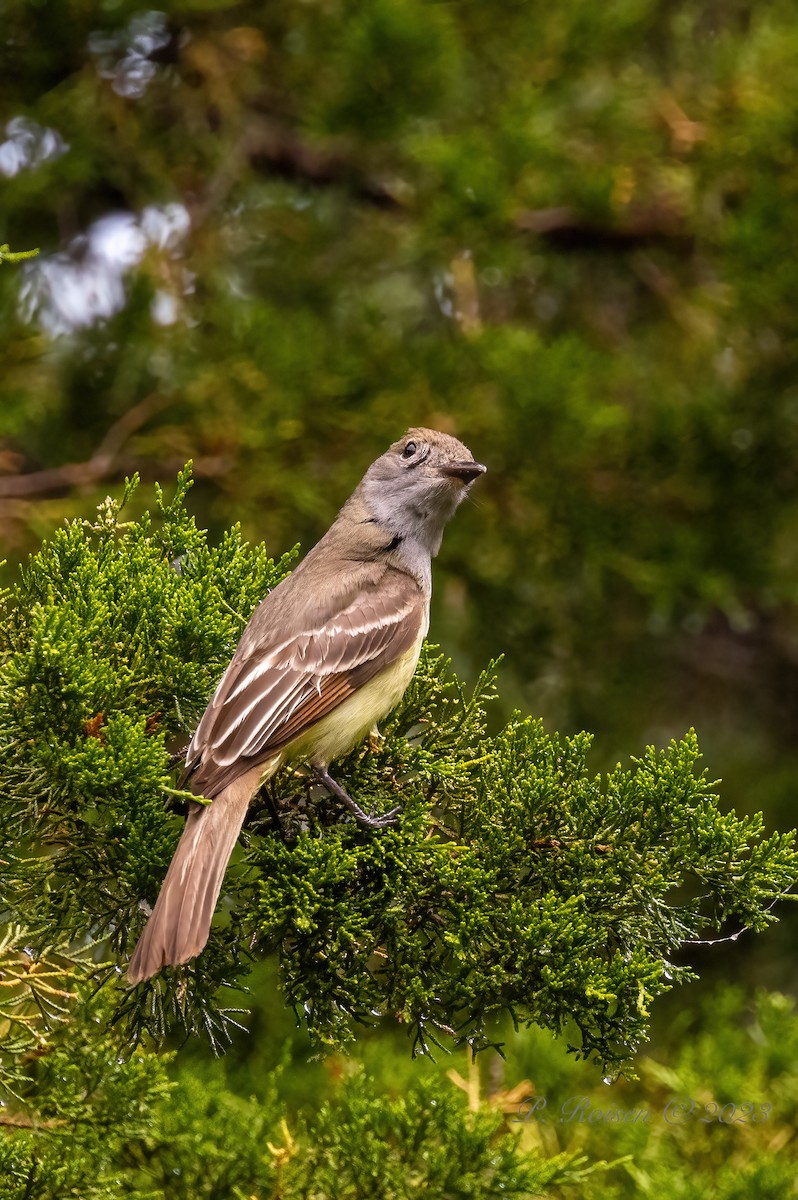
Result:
x=181 y=920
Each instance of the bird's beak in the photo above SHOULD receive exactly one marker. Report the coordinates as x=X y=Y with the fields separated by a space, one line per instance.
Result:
x=466 y=472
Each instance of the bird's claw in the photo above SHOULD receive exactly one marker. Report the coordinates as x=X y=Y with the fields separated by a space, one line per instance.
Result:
x=364 y=819
x=372 y=821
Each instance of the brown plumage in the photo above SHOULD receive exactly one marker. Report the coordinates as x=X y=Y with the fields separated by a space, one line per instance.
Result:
x=284 y=676
x=325 y=655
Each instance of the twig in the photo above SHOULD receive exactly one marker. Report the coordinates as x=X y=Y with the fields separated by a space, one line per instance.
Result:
x=99 y=466
x=565 y=228
x=19 y=1121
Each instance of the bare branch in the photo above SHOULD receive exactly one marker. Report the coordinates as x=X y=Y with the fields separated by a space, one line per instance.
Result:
x=101 y=464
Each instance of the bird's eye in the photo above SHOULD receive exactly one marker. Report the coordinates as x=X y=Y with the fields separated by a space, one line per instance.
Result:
x=409 y=450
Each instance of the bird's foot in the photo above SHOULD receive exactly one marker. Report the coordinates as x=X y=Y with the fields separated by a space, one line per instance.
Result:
x=367 y=820
x=376 y=740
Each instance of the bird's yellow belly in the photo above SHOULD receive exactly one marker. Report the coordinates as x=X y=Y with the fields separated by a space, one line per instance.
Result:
x=349 y=723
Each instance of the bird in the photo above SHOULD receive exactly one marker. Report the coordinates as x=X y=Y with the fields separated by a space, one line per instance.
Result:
x=326 y=654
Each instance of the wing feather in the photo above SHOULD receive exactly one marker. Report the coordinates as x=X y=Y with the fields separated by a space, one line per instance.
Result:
x=280 y=686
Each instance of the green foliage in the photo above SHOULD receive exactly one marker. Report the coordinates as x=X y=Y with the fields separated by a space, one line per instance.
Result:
x=390 y=66
x=85 y=1120
x=13 y=256
x=564 y=232
x=76 y=1102
x=36 y=996
x=111 y=645
x=515 y=880
x=729 y=1056
x=209 y=1144
x=418 y=1144
x=89 y=1121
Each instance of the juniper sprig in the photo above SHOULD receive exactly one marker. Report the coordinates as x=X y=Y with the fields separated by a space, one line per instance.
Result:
x=515 y=881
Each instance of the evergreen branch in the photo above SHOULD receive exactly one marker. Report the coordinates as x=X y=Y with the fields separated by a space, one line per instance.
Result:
x=14 y=256
x=514 y=881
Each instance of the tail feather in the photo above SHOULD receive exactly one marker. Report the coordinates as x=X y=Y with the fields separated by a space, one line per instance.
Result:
x=181 y=920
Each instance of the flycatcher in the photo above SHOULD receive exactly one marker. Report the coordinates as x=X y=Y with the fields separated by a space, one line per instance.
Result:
x=326 y=654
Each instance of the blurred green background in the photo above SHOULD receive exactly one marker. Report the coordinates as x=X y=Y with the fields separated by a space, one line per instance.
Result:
x=273 y=236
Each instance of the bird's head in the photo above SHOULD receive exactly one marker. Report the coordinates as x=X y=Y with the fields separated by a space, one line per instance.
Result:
x=414 y=488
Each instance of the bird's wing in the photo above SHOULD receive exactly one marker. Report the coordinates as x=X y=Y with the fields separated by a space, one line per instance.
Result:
x=271 y=694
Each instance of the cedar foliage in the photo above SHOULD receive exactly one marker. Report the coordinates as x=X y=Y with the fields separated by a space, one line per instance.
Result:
x=515 y=881
x=81 y=1118
x=84 y=1120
